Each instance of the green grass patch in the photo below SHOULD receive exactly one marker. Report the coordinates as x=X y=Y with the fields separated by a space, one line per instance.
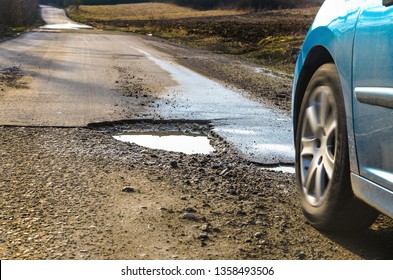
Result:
x=280 y=48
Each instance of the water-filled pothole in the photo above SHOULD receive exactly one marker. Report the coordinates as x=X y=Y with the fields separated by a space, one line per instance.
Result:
x=169 y=141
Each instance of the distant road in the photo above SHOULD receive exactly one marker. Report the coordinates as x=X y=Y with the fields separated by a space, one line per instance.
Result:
x=69 y=78
x=56 y=19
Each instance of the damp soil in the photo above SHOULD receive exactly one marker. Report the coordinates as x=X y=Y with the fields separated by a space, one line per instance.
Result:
x=78 y=193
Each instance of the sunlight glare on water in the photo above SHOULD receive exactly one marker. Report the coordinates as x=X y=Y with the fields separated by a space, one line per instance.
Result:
x=172 y=143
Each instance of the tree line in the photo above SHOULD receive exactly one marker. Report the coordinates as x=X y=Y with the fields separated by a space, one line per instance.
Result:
x=65 y=3
x=18 y=12
x=199 y=4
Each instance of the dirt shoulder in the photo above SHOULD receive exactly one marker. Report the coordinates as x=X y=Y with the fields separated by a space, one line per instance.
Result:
x=271 y=38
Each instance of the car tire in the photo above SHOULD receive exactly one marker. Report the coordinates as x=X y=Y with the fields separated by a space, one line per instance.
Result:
x=322 y=158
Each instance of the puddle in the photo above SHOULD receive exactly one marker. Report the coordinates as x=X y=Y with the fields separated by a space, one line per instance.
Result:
x=284 y=169
x=260 y=133
x=270 y=73
x=66 y=26
x=171 y=142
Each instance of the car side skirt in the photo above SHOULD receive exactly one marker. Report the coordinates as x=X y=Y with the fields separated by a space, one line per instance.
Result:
x=375 y=96
x=373 y=194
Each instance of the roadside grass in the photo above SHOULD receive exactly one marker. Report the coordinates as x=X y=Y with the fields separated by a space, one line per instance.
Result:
x=7 y=31
x=270 y=38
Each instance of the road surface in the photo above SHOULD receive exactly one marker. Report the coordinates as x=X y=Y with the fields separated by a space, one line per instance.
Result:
x=69 y=78
x=71 y=192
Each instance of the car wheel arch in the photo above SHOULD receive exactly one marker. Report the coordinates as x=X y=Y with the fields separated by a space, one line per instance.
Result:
x=316 y=57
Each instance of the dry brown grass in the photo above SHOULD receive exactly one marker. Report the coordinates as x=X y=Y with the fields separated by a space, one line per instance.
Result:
x=147 y=11
x=271 y=37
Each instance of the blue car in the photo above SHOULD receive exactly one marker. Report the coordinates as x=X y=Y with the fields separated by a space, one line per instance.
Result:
x=343 y=115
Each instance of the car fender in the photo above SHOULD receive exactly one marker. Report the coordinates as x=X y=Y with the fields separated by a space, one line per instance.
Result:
x=330 y=39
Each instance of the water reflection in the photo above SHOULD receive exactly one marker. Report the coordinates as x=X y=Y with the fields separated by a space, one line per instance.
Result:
x=171 y=142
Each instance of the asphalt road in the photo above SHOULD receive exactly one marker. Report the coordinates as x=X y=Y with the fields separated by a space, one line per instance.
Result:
x=72 y=78
x=63 y=188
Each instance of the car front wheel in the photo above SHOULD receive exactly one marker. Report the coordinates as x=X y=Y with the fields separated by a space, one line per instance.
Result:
x=322 y=161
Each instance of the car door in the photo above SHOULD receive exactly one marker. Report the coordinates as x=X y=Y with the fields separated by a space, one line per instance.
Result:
x=373 y=91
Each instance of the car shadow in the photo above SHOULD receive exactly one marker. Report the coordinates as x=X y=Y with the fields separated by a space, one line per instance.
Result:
x=375 y=243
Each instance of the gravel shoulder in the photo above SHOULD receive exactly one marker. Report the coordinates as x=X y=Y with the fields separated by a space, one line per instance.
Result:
x=77 y=193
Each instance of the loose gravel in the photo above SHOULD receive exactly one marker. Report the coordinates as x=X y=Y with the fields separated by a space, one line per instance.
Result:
x=77 y=193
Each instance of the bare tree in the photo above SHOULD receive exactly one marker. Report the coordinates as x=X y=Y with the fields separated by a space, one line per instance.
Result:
x=18 y=12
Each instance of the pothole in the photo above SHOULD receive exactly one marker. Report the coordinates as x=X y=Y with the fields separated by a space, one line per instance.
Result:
x=186 y=137
x=169 y=141
x=11 y=77
x=179 y=136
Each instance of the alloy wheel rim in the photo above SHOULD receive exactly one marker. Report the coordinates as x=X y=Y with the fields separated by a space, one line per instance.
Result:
x=318 y=144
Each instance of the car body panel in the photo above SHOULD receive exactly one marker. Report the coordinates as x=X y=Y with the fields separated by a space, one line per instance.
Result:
x=333 y=30
x=373 y=83
x=357 y=36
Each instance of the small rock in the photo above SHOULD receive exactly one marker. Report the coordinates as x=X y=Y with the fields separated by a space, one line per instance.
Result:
x=216 y=166
x=232 y=192
x=216 y=229
x=190 y=216
x=224 y=172
x=174 y=164
x=258 y=235
x=190 y=210
x=300 y=254
x=241 y=213
x=204 y=236
x=206 y=228
x=282 y=95
x=128 y=189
